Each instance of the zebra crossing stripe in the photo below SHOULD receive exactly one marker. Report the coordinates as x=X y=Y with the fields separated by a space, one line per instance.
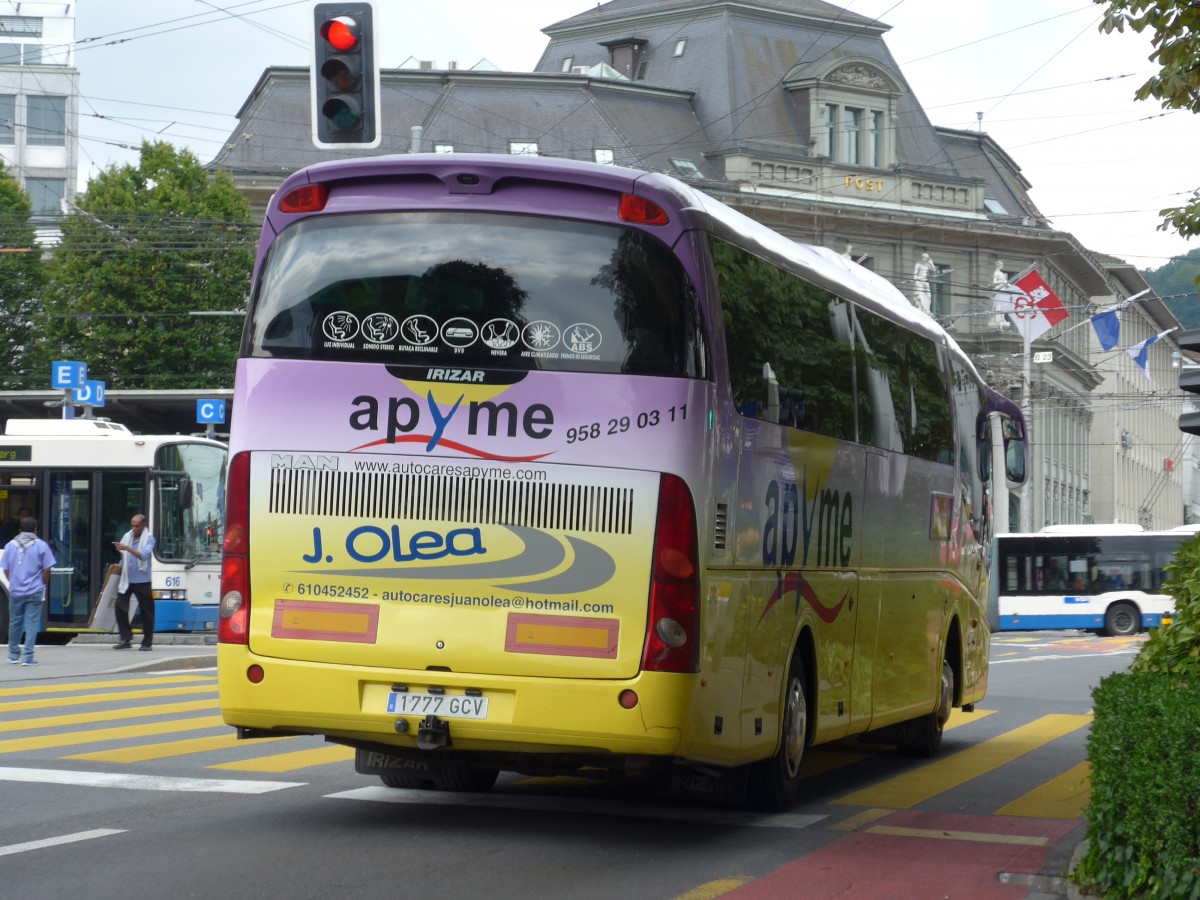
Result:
x=119 y=732
x=144 y=782
x=59 y=841
x=1064 y=797
x=110 y=697
x=907 y=790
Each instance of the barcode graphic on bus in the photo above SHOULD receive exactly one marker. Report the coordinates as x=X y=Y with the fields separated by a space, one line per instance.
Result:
x=416 y=498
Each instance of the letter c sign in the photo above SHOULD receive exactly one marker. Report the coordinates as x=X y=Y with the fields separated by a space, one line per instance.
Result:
x=210 y=411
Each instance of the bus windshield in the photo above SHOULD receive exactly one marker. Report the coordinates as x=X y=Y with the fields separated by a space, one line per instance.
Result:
x=190 y=512
x=502 y=291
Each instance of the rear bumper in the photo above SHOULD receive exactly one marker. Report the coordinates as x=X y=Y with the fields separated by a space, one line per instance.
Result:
x=525 y=715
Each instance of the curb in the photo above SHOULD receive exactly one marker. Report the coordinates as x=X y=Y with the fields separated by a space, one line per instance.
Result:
x=169 y=664
x=1073 y=890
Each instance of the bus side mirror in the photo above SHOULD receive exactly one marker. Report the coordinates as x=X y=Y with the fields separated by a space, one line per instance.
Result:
x=1014 y=460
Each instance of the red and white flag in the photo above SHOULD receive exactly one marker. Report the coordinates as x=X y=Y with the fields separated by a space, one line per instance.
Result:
x=1030 y=304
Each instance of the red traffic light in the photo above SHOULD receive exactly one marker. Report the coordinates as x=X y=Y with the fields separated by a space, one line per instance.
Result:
x=341 y=32
x=345 y=75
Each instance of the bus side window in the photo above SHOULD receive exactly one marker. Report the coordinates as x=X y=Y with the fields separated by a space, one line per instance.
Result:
x=776 y=319
x=910 y=401
x=1053 y=578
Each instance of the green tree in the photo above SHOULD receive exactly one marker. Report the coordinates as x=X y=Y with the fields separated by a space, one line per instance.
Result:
x=1175 y=25
x=20 y=283
x=149 y=246
x=1176 y=282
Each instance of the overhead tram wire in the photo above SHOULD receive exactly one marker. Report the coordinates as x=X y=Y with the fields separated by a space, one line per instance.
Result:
x=1047 y=61
x=274 y=32
x=230 y=11
x=754 y=102
x=998 y=34
x=107 y=40
x=209 y=18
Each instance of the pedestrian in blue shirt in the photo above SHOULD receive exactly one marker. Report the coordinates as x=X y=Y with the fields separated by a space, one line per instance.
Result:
x=26 y=561
x=137 y=552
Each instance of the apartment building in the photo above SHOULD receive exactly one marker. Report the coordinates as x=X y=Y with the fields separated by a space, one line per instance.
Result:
x=39 y=104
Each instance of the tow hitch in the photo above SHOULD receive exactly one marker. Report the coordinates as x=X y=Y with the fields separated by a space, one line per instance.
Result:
x=433 y=733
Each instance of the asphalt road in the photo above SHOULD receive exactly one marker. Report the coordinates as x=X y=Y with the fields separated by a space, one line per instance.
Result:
x=126 y=785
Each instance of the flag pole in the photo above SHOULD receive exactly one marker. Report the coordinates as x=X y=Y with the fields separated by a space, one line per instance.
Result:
x=1026 y=516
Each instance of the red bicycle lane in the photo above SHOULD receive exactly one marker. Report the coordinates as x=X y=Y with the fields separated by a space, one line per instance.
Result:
x=906 y=855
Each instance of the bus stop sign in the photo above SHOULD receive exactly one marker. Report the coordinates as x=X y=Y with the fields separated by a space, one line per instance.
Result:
x=90 y=394
x=210 y=412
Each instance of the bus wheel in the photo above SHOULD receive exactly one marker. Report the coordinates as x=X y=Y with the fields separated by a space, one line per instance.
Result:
x=774 y=783
x=405 y=781
x=461 y=778
x=1122 y=620
x=925 y=738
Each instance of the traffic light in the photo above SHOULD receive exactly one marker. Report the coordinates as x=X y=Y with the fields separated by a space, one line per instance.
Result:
x=1189 y=380
x=345 y=76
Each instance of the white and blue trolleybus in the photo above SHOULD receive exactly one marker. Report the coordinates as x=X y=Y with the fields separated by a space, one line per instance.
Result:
x=83 y=479
x=1105 y=578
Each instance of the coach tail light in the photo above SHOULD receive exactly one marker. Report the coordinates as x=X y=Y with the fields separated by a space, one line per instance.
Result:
x=233 y=623
x=673 y=625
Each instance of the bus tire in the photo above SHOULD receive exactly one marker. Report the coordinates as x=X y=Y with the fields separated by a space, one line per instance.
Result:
x=407 y=782
x=1122 y=620
x=458 y=777
x=774 y=783
x=925 y=737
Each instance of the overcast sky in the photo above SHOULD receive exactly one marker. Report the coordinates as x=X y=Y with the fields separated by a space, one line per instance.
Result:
x=1053 y=92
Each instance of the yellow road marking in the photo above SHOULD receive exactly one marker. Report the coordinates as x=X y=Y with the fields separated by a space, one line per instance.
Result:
x=75 y=686
x=907 y=790
x=107 y=715
x=866 y=817
x=170 y=748
x=827 y=758
x=717 y=888
x=939 y=834
x=74 y=738
x=287 y=762
x=115 y=697
x=958 y=717
x=1064 y=797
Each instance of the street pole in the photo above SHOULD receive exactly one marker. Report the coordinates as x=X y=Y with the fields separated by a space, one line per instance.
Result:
x=1026 y=520
x=1116 y=479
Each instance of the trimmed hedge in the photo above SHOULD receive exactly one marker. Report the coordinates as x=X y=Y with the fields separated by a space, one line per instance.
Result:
x=1144 y=818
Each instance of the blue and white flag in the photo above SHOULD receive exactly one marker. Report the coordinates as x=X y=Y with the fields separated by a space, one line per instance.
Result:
x=1108 y=322
x=1141 y=351
x=1108 y=327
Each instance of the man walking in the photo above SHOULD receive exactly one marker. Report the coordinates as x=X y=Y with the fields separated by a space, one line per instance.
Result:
x=27 y=561
x=137 y=552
